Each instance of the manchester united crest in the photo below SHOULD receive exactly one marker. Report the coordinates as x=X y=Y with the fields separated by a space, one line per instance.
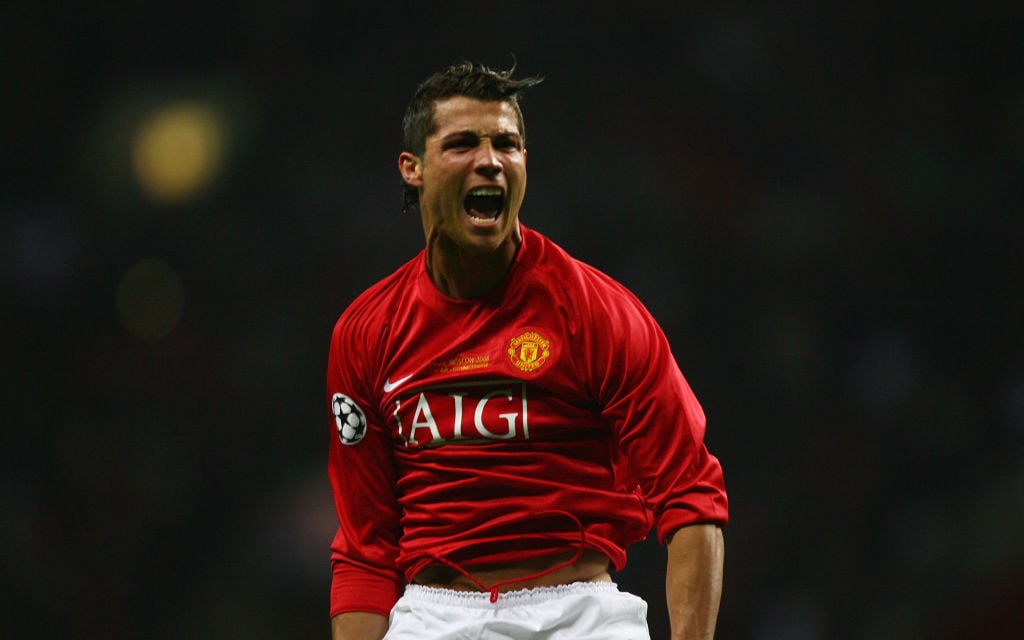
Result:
x=529 y=351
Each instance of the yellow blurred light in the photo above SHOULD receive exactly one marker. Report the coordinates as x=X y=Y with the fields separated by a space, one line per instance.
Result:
x=150 y=299
x=178 y=150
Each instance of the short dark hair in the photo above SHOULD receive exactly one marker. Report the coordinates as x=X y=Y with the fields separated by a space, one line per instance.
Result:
x=463 y=78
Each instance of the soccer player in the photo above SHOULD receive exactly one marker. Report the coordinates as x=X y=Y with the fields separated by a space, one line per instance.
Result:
x=506 y=419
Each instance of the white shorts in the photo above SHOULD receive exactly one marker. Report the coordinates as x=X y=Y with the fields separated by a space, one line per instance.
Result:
x=578 y=611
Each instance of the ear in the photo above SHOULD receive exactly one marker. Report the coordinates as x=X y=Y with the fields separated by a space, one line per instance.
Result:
x=411 y=168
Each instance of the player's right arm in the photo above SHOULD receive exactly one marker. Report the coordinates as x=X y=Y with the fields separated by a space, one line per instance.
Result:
x=366 y=580
x=358 y=625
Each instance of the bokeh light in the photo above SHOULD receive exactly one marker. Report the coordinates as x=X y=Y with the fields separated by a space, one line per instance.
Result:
x=150 y=299
x=178 y=151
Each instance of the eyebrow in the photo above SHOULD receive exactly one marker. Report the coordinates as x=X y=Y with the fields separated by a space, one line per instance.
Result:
x=464 y=133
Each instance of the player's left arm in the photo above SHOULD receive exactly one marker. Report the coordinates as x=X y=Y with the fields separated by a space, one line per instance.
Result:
x=660 y=427
x=693 y=580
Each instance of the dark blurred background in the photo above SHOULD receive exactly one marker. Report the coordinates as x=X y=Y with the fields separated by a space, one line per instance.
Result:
x=822 y=205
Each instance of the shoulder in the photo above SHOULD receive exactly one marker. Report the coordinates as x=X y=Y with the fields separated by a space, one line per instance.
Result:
x=584 y=283
x=371 y=310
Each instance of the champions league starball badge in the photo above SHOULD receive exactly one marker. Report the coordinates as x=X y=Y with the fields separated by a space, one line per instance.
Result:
x=349 y=419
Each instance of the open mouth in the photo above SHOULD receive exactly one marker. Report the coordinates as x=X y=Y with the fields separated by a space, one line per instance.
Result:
x=484 y=204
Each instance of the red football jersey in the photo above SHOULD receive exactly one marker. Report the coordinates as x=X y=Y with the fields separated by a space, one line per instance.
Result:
x=546 y=416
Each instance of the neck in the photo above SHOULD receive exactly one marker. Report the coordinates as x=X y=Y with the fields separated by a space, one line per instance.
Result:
x=464 y=275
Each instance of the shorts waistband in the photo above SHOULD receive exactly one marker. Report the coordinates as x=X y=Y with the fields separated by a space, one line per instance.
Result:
x=520 y=597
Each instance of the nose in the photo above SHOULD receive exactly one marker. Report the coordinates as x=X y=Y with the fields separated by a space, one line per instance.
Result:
x=488 y=162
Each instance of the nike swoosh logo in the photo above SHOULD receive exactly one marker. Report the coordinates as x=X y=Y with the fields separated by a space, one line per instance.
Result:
x=391 y=386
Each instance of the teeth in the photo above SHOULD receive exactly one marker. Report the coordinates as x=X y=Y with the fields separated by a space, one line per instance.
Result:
x=485 y=191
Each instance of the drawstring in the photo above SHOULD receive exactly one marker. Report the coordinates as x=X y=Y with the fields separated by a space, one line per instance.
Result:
x=495 y=588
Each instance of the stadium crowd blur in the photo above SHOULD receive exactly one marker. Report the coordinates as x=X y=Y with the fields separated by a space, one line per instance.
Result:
x=822 y=206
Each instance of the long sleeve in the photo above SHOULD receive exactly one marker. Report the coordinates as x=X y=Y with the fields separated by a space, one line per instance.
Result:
x=362 y=477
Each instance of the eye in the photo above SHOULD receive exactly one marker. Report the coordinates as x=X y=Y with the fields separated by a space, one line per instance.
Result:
x=459 y=143
x=508 y=143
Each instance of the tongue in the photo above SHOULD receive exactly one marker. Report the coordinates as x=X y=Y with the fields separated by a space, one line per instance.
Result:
x=482 y=214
